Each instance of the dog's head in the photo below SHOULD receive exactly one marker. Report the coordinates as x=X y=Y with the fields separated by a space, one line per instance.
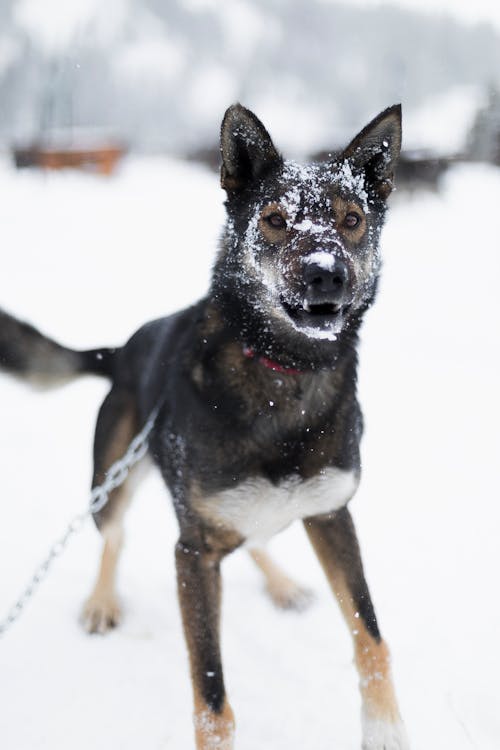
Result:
x=300 y=255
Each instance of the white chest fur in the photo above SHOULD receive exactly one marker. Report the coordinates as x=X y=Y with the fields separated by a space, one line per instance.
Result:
x=258 y=509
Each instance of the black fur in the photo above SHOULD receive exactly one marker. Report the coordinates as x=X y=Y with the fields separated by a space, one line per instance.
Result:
x=26 y=351
x=257 y=381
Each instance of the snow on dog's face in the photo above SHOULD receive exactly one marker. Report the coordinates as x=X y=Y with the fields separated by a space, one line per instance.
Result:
x=300 y=255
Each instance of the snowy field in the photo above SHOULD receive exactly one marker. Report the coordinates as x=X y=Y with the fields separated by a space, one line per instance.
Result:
x=88 y=260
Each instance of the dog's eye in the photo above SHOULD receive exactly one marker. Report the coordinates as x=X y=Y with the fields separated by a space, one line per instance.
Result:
x=352 y=220
x=276 y=221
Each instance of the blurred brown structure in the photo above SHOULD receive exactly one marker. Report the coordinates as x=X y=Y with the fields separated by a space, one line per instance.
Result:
x=102 y=159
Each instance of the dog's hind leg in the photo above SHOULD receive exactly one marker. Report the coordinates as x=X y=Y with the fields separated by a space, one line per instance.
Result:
x=116 y=426
x=284 y=592
x=334 y=540
x=199 y=588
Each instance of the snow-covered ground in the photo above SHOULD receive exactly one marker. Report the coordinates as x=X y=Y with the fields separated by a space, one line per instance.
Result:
x=88 y=260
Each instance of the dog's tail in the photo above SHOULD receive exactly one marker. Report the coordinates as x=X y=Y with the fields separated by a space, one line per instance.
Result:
x=27 y=352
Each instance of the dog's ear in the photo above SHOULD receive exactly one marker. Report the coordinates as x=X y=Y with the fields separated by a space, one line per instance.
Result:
x=376 y=149
x=246 y=148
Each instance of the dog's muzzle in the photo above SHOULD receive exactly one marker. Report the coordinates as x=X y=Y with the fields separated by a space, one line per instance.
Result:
x=326 y=286
x=325 y=293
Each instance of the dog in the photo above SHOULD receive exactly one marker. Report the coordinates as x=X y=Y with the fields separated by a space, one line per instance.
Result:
x=258 y=421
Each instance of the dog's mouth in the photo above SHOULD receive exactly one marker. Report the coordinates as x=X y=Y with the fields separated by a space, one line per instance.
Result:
x=321 y=316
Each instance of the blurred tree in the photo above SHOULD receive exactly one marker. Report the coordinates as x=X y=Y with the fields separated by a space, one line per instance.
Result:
x=483 y=143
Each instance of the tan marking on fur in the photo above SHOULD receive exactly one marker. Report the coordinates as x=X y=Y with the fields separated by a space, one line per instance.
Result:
x=374 y=666
x=232 y=359
x=371 y=657
x=197 y=375
x=217 y=537
x=272 y=234
x=102 y=610
x=212 y=322
x=123 y=433
x=386 y=187
x=341 y=208
x=222 y=539
x=213 y=731
x=284 y=592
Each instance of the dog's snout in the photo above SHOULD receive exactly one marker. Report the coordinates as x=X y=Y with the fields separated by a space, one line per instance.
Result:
x=324 y=280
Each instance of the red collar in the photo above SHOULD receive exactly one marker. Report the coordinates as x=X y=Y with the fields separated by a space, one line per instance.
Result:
x=269 y=363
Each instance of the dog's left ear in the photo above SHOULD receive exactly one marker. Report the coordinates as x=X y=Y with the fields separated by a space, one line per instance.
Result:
x=376 y=149
x=246 y=148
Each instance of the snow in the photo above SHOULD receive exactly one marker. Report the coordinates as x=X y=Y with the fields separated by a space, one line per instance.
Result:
x=306 y=225
x=354 y=183
x=325 y=334
x=88 y=260
x=322 y=259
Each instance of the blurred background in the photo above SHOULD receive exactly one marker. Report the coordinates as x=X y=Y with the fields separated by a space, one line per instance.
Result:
x=110 y=214
x=154 y=76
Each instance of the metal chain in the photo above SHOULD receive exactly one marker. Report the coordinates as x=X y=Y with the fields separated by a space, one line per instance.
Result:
x=115 y=476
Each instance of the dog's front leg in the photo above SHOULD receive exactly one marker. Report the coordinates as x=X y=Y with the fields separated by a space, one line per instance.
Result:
x=199 y=588
x=335 y=542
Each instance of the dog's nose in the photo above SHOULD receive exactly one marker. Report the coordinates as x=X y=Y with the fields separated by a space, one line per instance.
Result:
x=327 y=280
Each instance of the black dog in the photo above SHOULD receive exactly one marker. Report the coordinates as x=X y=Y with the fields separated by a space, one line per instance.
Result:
x=259 y=423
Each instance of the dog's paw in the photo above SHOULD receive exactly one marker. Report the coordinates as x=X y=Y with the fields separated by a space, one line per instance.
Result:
x=100 y=614
x=290 y=595
x=384 y=735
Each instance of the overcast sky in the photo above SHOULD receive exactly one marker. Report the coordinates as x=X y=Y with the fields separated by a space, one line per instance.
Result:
x=472 y=11
x=61 y=16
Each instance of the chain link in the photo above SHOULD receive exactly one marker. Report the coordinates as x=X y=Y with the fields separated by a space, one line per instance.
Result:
x=115 y=476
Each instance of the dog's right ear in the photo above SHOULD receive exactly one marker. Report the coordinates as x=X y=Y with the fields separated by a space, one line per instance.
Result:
x=247 y=150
